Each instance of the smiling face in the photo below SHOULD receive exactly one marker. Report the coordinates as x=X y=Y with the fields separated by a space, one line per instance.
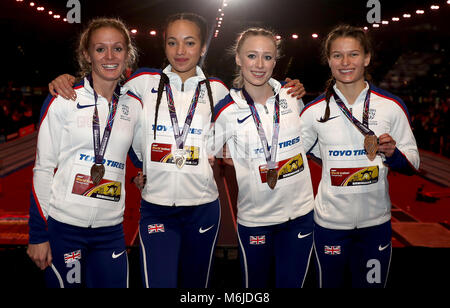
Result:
x=257 y=58
x=183 y=47
x=347 y=60
x=107 y=53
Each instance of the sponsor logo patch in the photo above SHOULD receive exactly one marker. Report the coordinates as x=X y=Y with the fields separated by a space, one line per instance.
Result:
x=162 y=153
x=286 y=168
x=354 y=176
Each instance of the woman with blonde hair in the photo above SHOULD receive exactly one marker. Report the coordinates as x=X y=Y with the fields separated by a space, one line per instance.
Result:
x=258 y=121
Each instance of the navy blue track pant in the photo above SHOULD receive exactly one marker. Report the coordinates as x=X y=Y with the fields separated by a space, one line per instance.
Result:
x=177 y=244
x=86 y=257
x=277 y=255
x=358 y=258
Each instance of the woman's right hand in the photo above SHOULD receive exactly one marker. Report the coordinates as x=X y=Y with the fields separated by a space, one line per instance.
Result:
x=63 y=85
x=139 y=180
x=41 y=254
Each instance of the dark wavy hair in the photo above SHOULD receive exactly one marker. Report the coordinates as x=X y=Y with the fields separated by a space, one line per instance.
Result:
x=200 y=22
x=342 y=31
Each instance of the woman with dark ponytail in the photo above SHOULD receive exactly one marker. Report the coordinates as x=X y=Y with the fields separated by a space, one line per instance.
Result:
x=180 y=210
x=360 y=132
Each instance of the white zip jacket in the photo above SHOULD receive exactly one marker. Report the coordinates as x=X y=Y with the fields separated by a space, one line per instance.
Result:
x=65 y=144
x=168 y=185
x=354 y=191
x=258 y=205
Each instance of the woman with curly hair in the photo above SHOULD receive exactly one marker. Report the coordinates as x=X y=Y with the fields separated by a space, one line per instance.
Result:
x=78 y=191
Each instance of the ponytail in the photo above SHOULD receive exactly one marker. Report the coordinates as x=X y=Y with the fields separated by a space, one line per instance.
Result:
x=210 y=97
x=328 y=94
x=162 y=82
x=165 y=80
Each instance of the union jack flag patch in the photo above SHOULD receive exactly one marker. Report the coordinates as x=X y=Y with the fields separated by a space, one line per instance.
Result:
x=72 y=256
x=156 y=228
x=257 y=240
x=332 y=250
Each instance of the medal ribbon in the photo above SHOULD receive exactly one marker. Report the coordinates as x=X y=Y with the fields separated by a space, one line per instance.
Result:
x=100 y=148
x=270 y=155
x=180 y=138
x=362 y=127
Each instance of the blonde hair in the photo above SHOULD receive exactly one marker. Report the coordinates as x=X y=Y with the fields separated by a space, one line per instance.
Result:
x=85 y=38
x=238 y=81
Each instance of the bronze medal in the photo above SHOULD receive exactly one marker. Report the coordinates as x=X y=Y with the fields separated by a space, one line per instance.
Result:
x=98 y=169
x=272 y=178
x=97 y=173
x=371 y=146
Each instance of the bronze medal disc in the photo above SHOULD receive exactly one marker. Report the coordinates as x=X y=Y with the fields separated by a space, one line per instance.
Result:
x=272 y=178
x=371 y=146
x=97 y=173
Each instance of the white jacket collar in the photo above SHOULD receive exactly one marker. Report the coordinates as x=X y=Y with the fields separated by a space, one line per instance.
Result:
x=189 y=84
x=242 y=103
x=359 y=100
x=88 y=88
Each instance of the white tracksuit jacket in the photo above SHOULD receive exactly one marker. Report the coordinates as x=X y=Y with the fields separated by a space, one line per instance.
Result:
x=65 y=144
x=258 y=205
x=354 y=191
x=168 y=185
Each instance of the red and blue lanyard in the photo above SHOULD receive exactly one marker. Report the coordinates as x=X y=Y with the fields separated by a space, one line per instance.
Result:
x=100 y=147
x=364 y=126
x=180 y=137
x=271 y=153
